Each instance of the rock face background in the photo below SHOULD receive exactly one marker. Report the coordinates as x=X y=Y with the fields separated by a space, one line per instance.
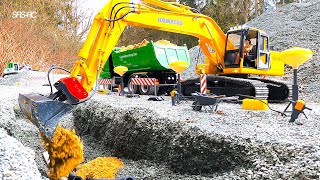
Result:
x=158 y=141
x=297 y=24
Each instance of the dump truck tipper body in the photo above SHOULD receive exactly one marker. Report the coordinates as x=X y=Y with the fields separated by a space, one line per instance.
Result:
x=149 y=58
x=149 y=61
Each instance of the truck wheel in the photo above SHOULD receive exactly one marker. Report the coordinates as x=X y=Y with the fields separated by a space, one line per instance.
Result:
x=148 y=90
x=144 y=90
x=107 y=86
x=132 y=88
x=196 y=106
x=151 y=90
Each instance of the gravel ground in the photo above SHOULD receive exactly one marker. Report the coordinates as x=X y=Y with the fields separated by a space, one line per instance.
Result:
x=159 y=141
x=235 y=143
x=16 y=160
x=19 y=140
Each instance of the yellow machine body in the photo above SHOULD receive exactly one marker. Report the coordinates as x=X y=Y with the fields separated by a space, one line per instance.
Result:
x=254 y=104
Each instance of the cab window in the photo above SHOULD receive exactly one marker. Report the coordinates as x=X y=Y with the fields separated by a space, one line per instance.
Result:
x=264 y=56
x=182 y=56
x=234 y=41
x=233 y=46
x=16 y=67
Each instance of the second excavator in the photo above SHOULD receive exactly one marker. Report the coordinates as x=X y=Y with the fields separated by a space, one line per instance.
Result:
x=226 y=57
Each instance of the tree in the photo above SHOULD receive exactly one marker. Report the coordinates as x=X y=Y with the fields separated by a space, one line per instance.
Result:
x=228 y=13
x=42 y=37
x=72 y=19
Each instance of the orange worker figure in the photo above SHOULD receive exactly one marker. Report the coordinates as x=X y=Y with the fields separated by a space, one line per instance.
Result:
x=248 y=46
x=246 y=49
x=248 y=53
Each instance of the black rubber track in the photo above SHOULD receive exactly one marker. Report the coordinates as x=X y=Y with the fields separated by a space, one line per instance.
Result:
x=260 y=88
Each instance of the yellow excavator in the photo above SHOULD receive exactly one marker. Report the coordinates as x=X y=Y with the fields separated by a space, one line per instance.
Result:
x=224 y=56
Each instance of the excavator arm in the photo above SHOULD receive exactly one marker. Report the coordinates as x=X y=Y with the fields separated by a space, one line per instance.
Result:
x=106 y=29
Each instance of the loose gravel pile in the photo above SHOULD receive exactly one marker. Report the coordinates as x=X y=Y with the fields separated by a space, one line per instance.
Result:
x=297 y=24
x=16 y=160
x=158 y=141
x=19 y=141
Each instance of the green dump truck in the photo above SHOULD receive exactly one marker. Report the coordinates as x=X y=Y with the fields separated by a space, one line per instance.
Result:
x=11 y=68
x=149 y=61
x=15 y=68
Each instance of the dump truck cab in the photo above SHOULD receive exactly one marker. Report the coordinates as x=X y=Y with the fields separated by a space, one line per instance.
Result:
x=11 y=68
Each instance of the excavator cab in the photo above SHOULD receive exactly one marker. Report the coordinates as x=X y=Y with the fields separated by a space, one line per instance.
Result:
x=237 y=56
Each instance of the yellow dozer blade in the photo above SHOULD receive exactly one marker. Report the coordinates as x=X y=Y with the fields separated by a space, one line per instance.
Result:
x=43 y=112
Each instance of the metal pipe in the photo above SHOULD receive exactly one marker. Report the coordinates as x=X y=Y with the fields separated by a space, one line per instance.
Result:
x=155 y=87
x=179 y=88
x=122 y=87
x=295 y=86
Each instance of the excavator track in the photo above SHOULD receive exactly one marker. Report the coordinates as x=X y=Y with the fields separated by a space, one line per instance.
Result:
x=279 y=91
x=230 y=86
